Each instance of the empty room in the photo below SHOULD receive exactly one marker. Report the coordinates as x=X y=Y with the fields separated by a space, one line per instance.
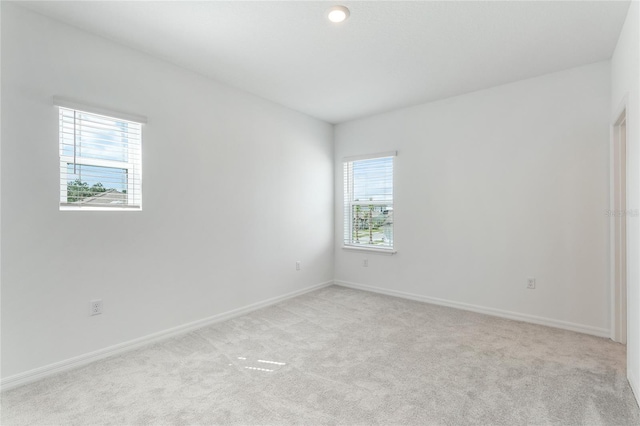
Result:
x=320 y=213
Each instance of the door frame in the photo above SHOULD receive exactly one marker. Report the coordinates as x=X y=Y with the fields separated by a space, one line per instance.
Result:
x=618 y=199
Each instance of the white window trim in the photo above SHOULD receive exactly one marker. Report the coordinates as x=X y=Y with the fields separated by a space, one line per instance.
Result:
x=64 y=160
x=388 y=251
x=371 y=249
x=369 y=156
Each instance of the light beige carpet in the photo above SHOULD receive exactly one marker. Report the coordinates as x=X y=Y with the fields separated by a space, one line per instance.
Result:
x=341 y=356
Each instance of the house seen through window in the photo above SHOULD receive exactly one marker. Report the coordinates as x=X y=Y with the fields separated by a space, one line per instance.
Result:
x=368 y=202
x=100 y=161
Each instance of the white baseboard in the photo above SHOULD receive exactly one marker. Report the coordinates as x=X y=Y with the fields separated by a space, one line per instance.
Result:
x=78 y=361
x=586 y=329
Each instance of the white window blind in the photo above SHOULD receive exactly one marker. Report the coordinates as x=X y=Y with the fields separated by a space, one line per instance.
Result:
x=100 y=161
x=368 y=202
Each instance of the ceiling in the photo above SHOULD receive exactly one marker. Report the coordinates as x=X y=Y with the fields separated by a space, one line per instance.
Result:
x=387 y=55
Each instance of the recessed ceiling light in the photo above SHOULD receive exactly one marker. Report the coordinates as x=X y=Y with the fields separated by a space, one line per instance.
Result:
x=338 y=14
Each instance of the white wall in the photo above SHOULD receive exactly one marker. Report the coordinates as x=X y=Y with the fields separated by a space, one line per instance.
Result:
x=493 y=187
x=236 y=189
x=625 y=72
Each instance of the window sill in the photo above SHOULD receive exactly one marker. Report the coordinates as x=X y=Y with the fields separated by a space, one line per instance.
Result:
x=388 y=252
x=100 y=209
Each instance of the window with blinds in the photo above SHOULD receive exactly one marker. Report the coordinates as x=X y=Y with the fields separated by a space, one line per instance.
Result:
x=100 y=161
x=368 y=201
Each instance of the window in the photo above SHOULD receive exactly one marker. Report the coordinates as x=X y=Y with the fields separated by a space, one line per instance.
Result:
x=100 y=161
x=368 y=202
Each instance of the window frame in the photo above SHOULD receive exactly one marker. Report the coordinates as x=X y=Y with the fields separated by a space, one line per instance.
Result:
x=132 y=165
x=349 y=203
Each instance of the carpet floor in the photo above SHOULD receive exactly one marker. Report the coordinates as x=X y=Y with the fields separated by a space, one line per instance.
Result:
x=342 y=356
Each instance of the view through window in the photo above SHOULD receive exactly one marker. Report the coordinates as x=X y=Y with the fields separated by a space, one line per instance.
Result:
x=368 y=202
x=100 y=164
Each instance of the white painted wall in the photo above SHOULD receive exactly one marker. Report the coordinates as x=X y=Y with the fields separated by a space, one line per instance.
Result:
x=625 y=73
x=236 y=189
x=493 y=187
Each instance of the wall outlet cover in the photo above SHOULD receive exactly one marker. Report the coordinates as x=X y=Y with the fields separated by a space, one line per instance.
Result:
x=95 y=307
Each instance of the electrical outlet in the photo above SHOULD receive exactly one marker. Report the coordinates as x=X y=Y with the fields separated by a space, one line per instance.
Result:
x=298 y=265
x=95 y=307
x=365 y=262
x=531 y=283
